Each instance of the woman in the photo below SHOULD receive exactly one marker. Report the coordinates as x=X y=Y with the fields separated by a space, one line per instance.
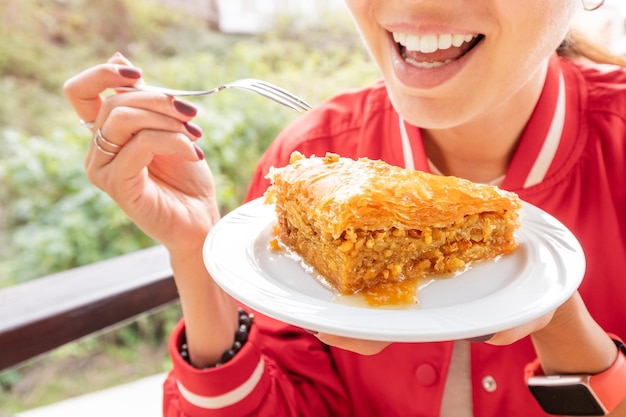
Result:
x=470 y=88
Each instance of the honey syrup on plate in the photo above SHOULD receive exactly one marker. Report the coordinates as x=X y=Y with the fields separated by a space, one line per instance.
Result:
x=391 y=295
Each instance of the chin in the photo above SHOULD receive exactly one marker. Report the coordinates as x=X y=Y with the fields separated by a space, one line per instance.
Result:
x=440 y=110
x=424 y=113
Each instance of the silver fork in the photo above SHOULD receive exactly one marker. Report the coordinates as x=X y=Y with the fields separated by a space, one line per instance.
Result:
x=263 y=88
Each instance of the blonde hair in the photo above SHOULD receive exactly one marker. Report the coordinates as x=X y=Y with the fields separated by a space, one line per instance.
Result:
x=579 y=46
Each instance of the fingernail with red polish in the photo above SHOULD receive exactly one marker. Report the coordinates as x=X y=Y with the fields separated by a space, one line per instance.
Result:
x=193 y=129
x=199 y=152
x=185 y=108
x=130 y=72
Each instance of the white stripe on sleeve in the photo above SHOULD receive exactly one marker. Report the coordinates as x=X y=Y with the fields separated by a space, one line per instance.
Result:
x=227 y=399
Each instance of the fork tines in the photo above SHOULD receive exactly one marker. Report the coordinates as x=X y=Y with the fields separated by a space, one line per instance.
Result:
x=278 y=94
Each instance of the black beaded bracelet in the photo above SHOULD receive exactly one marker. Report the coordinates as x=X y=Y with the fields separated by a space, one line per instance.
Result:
x=241 y=337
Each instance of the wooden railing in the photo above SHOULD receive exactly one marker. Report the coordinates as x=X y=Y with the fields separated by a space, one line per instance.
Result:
x=40 y=315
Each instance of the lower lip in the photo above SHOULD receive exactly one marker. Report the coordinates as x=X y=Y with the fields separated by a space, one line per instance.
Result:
x=424 y=78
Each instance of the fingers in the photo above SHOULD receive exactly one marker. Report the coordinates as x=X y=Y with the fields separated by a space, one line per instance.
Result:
x=127 y=114
x=104 y=145
x=362 y=347
x=122 y=117
x=129 y=129
x=146 y=145
x=120 y=172
x=142 y=142
x=507 y=337
x=84 y=90
x=480 y=339
x=130 y=138
x=118 y=109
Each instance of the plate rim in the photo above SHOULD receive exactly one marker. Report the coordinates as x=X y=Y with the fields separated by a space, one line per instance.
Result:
x=256 y=212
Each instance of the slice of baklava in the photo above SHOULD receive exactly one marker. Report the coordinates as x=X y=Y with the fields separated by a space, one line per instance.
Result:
x=365 y=222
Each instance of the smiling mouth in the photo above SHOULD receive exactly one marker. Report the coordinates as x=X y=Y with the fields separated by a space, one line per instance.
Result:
x=432 y=51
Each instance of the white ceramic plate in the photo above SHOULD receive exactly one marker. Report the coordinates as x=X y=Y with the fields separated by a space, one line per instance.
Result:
x=491 y=296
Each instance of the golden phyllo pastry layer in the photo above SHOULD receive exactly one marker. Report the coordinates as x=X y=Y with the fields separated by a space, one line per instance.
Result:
x=365 y=222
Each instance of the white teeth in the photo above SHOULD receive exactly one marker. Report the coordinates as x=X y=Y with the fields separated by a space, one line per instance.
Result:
x=431 y=43
x=428 y=65
x=445 y=42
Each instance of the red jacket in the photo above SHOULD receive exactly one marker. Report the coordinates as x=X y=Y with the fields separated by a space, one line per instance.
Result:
x=570 y=162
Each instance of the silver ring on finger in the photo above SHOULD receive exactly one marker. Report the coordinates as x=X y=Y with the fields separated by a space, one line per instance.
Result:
x=98 y=138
